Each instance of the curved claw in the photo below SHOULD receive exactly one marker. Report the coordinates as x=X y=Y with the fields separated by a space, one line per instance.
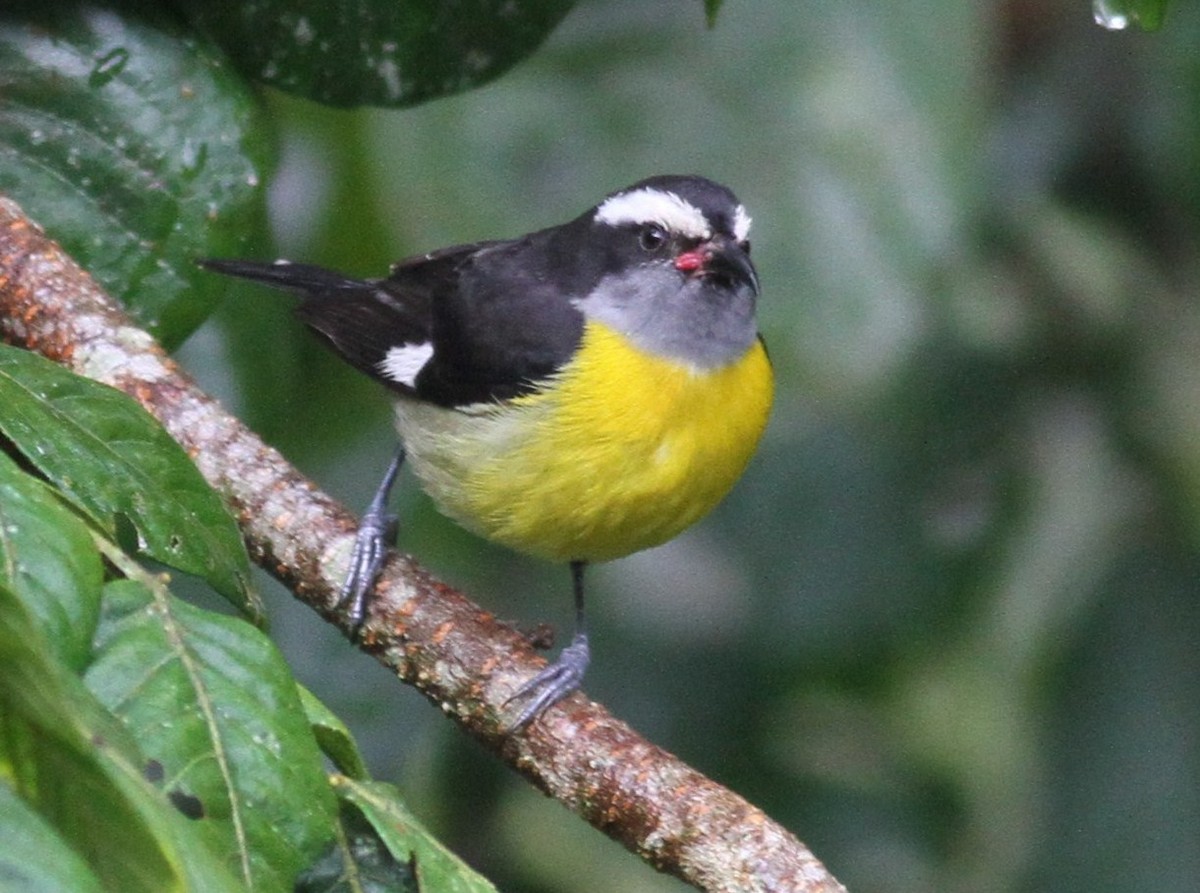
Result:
x=366 y=561
x=375 y=533
x=553 y=683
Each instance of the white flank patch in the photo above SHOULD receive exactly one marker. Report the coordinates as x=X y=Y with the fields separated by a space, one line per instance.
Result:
x=655 y=206
x=404 y=362
x=741 y=223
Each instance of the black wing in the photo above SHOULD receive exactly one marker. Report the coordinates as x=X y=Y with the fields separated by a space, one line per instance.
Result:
x=490 y=330
x=362 y=319
x=506 y=326
x=357 y=317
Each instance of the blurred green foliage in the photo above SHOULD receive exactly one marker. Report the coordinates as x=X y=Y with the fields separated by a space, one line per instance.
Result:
x=946 y=629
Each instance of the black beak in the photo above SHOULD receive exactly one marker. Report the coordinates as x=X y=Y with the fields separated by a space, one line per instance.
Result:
x=728 y=261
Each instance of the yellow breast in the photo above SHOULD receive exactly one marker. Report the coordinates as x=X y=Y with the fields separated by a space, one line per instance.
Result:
x=622 y=453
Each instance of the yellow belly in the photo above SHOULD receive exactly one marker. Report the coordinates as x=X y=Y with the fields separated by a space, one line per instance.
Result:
x=626 y=451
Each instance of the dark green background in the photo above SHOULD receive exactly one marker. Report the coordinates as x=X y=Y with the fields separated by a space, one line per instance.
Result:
x=946 y=629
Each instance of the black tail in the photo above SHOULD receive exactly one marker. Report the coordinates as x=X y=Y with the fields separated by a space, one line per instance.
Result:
x=362 y=319
x=304 y=279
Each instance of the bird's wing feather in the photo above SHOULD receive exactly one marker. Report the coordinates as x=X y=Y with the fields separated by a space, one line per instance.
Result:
x=505 y=328
x=462 y=325
x=442 y=327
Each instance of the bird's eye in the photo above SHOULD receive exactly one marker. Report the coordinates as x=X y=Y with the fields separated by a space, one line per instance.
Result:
x=745 y=246
x=652 y=237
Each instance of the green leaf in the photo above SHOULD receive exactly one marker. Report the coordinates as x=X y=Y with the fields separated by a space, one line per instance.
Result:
x=377 y=52
x=34 y=857
x=437 y=868
x=49 y=561
x=1116 y=15
x=215 y=705
x=359 y=862
x=72 y=762
x=711 y=8
x=131 y=144
x=111 y=458
x=332 y=736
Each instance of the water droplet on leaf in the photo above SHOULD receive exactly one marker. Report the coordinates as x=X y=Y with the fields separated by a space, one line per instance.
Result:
x=1108 y=17
x=1117 y=15
x=108 y=67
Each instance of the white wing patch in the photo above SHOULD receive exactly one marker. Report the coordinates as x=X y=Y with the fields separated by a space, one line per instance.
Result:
x=403 y=363
x=741 y=224
x=649 y=205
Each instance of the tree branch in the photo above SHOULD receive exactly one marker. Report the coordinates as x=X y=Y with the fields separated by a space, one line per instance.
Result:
x=458 y=655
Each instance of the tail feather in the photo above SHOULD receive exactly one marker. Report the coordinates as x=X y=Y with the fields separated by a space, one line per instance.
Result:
x=304 y=279
x=362 y=319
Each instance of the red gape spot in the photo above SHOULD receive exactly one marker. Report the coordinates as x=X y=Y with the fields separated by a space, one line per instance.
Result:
x=690 y=261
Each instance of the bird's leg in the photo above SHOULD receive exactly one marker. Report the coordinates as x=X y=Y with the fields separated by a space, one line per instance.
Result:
x=563 y=676
x=376 y=532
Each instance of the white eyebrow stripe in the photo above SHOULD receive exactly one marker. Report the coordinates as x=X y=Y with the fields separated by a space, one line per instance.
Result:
x=741 y=223
x=649 y=205
x=404 y=362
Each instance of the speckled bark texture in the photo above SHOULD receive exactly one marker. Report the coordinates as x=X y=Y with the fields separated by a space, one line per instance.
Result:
x=458 y=655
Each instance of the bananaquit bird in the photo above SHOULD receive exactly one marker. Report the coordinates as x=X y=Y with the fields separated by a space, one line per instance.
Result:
x=578 y=394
